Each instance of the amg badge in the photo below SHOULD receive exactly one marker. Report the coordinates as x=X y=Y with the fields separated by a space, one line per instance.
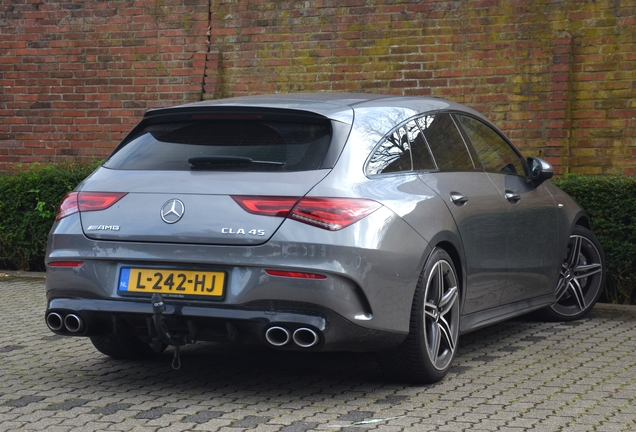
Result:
x=103 y=228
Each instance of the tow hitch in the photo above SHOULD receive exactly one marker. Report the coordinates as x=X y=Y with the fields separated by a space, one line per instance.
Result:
x=160 y=334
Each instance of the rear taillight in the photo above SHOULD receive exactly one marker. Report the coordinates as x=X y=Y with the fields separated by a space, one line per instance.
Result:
x=93 y=201
x=68 y=206
x=332 y=214
x=266 y=206
x=87 y=201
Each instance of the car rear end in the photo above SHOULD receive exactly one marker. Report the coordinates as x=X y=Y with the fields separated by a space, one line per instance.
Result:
x=203 y=224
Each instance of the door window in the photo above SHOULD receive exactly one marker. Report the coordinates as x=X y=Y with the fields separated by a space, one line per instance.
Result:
x=495 y=153
x=422 y=158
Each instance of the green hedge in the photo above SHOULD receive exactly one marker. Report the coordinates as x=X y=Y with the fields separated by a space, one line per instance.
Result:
x=28 y=204
x=610 y=203
x=29 y=200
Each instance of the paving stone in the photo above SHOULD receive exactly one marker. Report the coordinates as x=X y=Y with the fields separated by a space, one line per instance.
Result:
x=202 y=416
x=250 y=422
x=9 y=348
x=66 y=405
x=24 y=401
x=111 y=409
x=154 y=413
x=521 y=375
x=355 y=416
x=299 y=427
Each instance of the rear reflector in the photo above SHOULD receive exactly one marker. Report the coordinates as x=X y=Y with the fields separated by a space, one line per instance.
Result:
x=298 y=275
x=87 y=201
x=66 y=264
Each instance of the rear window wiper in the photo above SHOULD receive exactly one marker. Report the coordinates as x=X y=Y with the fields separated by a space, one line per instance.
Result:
x=200 y=162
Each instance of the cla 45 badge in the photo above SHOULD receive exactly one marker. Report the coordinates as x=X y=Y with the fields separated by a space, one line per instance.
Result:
x=241 y=231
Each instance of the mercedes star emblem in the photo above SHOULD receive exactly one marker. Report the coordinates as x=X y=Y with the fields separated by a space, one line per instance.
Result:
x=172 y=211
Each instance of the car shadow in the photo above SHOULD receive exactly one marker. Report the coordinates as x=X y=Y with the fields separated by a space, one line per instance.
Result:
x=239 y=368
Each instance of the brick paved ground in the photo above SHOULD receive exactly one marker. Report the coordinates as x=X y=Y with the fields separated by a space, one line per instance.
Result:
x=516 y=376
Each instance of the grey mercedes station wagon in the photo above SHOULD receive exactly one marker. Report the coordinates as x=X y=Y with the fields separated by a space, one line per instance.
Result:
x=317 y=222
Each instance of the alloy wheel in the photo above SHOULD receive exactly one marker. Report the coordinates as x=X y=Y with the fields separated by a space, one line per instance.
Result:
x=441 y=314
x=581 y=277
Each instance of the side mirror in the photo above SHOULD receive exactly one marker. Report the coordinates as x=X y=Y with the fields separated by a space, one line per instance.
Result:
x=539 y=170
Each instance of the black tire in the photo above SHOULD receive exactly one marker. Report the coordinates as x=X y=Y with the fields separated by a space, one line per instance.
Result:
x=124 y=347
x=427 y=353
x=581 y=280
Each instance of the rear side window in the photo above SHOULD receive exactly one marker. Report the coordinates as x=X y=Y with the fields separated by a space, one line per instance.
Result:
x=393 y=155
x=403 y=150
x=446 y=143
x=228 y=145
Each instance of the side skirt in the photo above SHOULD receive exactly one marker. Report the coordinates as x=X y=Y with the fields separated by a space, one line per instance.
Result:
x=477 y=320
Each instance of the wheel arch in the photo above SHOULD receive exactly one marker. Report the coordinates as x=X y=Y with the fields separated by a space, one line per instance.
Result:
x=583 y=221
x=456 y=256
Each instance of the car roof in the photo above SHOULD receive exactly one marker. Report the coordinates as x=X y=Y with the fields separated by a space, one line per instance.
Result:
x=336 y=106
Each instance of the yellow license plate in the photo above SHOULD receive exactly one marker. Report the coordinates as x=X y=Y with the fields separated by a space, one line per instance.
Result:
x=177 y=282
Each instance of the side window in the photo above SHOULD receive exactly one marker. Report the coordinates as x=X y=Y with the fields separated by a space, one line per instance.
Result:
x=393 y=155
x=495 y=153
x=422 y=159
x=445 y=142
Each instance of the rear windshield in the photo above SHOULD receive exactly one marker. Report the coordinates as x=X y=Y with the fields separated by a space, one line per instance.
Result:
x=228 y=145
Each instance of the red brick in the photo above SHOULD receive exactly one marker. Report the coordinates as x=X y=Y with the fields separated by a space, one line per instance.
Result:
x=131 y=61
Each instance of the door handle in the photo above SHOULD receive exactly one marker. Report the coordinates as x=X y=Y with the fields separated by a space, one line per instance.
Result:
x=458 y=198
x=512 y=197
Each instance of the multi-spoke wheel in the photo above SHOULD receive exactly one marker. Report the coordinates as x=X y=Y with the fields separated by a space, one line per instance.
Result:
x=427 y=353
x=581 y=279
x=441 y=318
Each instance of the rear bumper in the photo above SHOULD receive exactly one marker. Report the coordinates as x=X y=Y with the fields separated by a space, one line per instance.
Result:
x=371 y=268
x=246 y=324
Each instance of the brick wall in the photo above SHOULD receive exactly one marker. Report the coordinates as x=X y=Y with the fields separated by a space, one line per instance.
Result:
x=75 y=76
x=558 y=76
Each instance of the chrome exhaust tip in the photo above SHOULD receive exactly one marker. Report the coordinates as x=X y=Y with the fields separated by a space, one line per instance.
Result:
x=73 y=323
x=305 y=338
x=55 y=321
x=277 y=336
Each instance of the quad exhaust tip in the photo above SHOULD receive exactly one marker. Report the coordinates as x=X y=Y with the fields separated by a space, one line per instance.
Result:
x=277 y=336
x=73 y=323
x=55 y=321
x=58 y=323
x=303 y=337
